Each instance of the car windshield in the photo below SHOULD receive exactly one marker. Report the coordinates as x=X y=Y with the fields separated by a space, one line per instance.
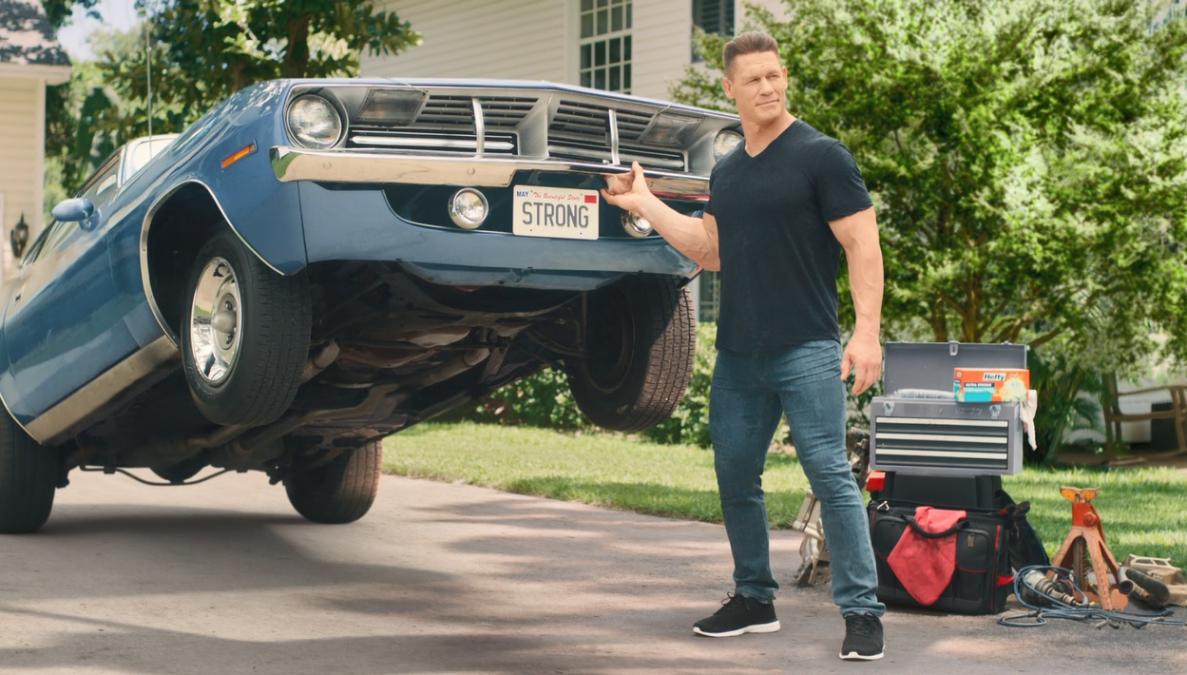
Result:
x=141 y=150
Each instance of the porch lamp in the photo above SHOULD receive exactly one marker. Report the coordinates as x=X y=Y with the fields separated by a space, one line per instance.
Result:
x=19 y=237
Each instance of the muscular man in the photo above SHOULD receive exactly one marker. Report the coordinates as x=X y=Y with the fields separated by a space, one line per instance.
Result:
x=782 y=205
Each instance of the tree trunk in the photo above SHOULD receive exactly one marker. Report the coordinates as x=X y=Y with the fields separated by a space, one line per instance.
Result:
x=238 y=75
x=296 y=57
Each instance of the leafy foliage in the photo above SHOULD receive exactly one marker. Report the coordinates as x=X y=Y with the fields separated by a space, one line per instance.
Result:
x=1029 y=163
x=1028 y=159
x=1069 y=399
x=200 y=53
x=544 y=400
x=541 y=400
x=84 y=122
x=206 y=51
x=59 y=11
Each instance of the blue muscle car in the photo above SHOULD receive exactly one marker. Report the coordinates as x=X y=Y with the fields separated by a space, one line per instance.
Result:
x=316 y=264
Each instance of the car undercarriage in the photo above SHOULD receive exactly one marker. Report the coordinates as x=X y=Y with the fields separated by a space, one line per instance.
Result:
x=387 y=350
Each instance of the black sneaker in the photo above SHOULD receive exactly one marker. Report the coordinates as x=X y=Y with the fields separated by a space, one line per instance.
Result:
x=863 y=638
x=739 y=615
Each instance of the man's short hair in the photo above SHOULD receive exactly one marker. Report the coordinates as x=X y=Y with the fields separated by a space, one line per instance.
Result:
x=747 y=43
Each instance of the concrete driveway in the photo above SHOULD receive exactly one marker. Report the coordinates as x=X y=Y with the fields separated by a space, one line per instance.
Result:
x=225 y=578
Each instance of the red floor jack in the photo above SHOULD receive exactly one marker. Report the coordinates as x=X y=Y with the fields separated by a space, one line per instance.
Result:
x=1085 y=551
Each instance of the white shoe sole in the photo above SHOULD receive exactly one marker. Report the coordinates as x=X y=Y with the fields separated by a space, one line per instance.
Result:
x=756 y=628
x=854 y=656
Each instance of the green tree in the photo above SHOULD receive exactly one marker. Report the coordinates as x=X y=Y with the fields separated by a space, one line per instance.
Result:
x=1028 y=159
x=200 y=52
x=204 y=51
x=83 y=119
x=58 y=11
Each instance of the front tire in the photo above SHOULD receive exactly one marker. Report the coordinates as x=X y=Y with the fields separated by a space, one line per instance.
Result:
x=28 y=479
x=244 y=336
x=641 y=342
x=341 y=491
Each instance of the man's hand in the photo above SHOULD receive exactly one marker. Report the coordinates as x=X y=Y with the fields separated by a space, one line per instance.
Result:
x=863 y=355
x=627 y=191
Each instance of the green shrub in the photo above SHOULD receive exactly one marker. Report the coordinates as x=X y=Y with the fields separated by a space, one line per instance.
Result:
x=1069 y=400
x=540 y=400
x=544 y=400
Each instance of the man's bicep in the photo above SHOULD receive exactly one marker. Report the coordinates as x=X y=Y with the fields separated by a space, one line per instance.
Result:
x=856 y=228
x=709 y=257
x=709 y=221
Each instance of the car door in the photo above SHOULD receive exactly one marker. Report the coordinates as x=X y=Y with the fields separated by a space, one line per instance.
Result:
x=58 y=327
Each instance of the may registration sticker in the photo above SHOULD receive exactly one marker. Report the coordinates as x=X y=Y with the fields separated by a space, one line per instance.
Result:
x=566 y=213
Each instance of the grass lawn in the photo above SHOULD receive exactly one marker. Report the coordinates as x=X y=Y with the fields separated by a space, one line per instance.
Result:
x=1144 y=510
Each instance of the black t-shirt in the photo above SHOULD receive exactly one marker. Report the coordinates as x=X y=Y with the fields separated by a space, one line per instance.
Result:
x=779 y=257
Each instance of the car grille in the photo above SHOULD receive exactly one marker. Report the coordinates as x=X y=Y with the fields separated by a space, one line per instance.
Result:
x=455 y=142
x=581 y=131
x=458 y=111
x=561 y=126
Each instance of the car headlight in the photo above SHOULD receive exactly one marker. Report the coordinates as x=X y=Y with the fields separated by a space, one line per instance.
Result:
x=314 y=122
x=670 y=129
x=725 y=141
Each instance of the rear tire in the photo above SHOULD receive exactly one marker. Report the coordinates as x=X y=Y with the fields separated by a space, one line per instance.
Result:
x=244 y=356
x=641 y=336
x=341 y=491
x=28 y=479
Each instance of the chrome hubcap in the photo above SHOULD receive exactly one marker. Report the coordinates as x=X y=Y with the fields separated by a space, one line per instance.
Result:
x=215 y=321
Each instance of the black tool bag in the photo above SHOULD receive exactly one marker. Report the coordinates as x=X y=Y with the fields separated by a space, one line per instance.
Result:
x=992 y=541
x=982 y=580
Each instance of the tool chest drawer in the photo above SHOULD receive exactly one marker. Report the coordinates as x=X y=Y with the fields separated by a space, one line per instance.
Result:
x=945 y=437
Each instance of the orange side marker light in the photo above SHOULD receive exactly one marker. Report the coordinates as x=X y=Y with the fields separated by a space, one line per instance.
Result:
x=239 y=154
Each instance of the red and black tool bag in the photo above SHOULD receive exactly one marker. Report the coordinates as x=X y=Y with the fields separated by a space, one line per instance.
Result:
x=983 y=578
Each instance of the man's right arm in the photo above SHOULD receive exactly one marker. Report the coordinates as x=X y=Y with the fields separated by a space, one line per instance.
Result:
x=694 y=237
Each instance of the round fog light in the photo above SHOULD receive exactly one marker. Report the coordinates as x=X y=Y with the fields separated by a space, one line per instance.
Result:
x=468 y=208
x=636 y=226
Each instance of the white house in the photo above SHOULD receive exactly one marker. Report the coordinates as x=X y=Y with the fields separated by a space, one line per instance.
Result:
x=635 y=46
x=30 y=60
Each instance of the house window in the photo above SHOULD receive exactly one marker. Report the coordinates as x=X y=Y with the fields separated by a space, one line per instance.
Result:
x=605 y=44
x=714 y=16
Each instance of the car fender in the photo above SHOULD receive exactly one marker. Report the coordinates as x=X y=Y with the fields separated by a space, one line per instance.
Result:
x=263 y=212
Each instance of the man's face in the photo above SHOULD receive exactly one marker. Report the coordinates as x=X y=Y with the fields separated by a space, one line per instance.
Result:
x=758 y=85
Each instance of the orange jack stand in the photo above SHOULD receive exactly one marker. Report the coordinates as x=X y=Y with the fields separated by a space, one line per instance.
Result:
x=1085 y=545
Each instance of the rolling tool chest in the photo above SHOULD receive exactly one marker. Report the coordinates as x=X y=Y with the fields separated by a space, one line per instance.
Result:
x=919 y=426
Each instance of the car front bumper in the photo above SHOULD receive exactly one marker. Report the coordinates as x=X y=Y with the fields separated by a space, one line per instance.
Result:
x=346 y=216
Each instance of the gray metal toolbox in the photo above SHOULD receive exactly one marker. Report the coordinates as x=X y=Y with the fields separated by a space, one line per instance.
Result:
x=916 y=429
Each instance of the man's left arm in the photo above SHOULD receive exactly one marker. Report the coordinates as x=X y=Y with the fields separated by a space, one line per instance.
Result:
x=858 y=235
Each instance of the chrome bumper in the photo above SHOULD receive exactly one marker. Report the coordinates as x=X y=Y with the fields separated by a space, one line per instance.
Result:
x=358 y=167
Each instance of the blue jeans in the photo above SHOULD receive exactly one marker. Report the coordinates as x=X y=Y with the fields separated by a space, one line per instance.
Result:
x=750 y=391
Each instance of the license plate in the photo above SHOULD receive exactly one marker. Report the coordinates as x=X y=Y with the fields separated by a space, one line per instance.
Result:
x=565 y=213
